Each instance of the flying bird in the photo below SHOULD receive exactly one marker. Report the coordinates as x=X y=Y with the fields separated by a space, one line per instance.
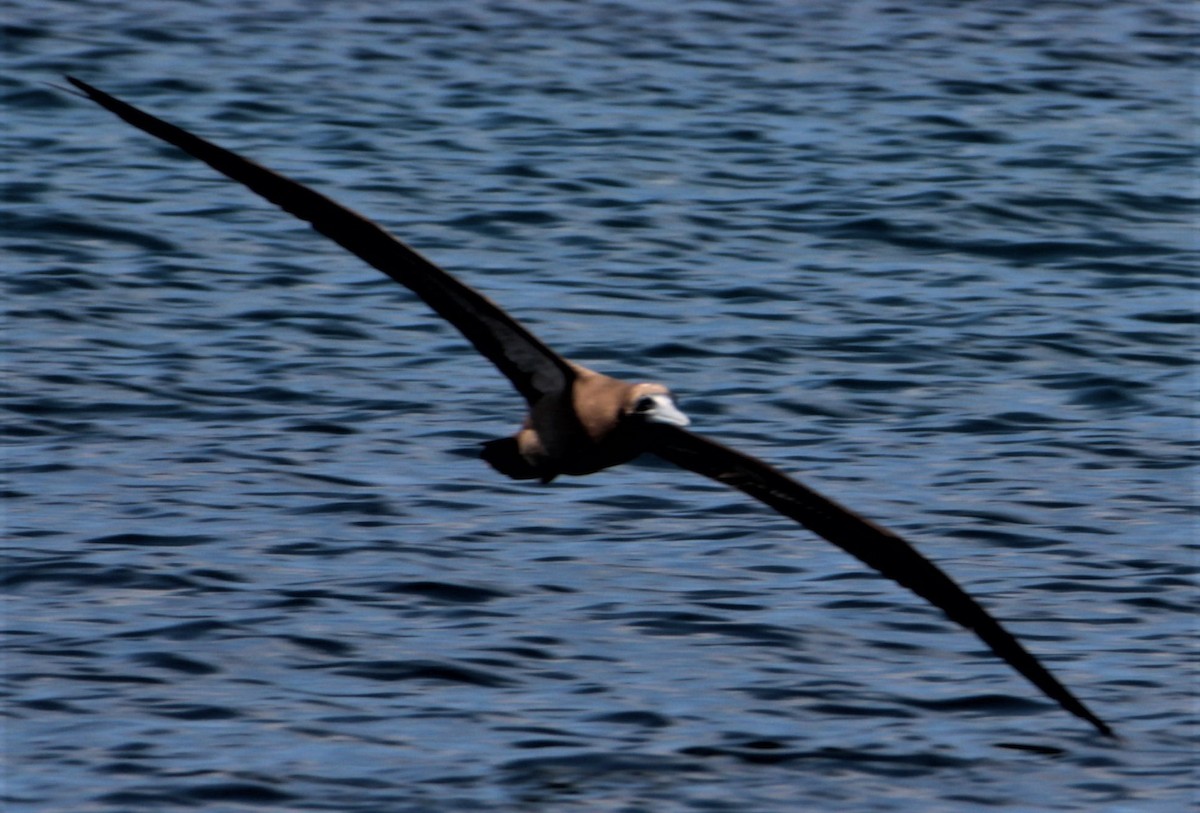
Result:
x=581 y=421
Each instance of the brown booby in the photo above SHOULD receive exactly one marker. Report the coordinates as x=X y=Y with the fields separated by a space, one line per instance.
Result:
x=581 y=421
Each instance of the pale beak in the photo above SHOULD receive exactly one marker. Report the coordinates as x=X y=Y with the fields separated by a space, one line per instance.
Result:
x=665 y=411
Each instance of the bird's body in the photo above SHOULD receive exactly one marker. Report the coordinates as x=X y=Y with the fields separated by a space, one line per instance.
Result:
x=581 y=421
x=597 y=426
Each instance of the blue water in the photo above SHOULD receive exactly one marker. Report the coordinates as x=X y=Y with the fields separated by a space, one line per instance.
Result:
x=935 y=259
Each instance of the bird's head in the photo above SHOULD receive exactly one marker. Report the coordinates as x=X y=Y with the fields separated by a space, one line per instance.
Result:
x=653 y=403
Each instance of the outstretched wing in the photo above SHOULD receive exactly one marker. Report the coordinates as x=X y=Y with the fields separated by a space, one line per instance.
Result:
x=534 y=369
x=878 y=547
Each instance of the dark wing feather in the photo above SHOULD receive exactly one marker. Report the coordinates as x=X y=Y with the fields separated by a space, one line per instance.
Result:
x=876 y=546
x=533 y=368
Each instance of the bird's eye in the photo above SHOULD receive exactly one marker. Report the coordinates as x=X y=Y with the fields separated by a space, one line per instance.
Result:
x=644 y=405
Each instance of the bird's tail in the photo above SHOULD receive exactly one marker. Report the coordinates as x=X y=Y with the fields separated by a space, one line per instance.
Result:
x=504 y=456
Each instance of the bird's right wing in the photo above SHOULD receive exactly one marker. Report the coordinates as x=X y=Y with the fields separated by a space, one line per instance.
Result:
x=876 y=546
x=534 y=369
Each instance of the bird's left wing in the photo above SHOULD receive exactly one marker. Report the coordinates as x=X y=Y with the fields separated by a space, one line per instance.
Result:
x=878 y=547
x=534 y=369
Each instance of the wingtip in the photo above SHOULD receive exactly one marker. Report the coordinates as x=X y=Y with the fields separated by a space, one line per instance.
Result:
x=88 y=91
x=1107 y=730
x=80 y=85
x=1076 y=706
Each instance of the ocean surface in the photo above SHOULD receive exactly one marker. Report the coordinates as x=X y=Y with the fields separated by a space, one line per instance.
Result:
x=937 y=260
